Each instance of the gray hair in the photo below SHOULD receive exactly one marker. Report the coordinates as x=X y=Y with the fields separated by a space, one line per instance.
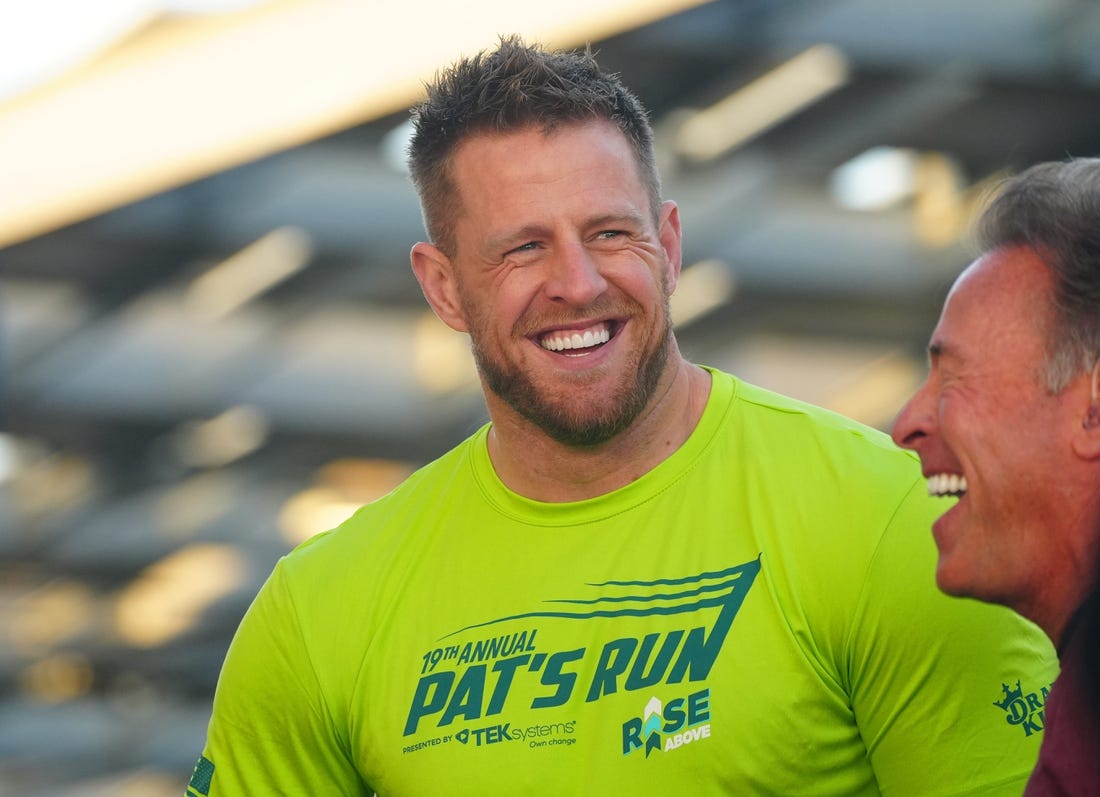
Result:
x=1054 y=208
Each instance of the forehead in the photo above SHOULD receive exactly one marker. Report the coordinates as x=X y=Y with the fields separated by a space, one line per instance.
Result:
x=1001 y=304
x=532 y=155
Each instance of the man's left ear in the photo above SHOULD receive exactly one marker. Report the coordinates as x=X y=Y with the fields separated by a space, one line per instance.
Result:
x=671 y=241
x=1087 y=440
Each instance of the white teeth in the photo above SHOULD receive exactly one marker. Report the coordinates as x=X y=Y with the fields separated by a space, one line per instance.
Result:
x=576 y=340
x=946 y=484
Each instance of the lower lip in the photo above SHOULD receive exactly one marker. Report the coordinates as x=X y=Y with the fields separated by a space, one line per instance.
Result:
x=940 y=530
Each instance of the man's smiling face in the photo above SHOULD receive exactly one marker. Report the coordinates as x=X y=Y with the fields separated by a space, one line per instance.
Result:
x=563 y=276
x=989 y=431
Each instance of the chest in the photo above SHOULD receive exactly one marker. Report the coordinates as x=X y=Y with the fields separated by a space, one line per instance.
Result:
x=644 y=663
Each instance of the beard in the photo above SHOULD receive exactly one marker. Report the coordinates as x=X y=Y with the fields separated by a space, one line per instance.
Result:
x=572 y=418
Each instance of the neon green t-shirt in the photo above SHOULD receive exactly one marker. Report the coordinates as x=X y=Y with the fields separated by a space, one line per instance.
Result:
x=756 y=615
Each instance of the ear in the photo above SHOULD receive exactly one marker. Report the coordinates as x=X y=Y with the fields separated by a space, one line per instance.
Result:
x=669 y=234
x=434 y=272
x=1086 y=439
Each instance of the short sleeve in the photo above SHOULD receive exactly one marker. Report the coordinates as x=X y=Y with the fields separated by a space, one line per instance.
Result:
x=947 y=692
x=271 y=731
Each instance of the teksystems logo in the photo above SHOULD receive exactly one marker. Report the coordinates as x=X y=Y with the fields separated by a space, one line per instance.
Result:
x=544 y=735
x=667 y=727
x=488 y=735
x=1026 y=710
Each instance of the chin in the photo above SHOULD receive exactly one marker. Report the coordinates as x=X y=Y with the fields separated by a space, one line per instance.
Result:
x=952 y=582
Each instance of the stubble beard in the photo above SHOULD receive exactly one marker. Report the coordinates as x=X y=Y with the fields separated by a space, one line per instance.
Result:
x=571 y=419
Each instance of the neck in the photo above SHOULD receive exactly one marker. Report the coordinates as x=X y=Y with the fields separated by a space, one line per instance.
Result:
x=1064 y=589
x=540 y=468
x=1055 y=616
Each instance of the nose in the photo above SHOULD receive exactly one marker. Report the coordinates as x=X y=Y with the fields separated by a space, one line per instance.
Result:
x=915 y=421
x=574 y=276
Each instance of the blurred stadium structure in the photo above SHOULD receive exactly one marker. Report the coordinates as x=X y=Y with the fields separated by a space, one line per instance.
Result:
x=213 y=346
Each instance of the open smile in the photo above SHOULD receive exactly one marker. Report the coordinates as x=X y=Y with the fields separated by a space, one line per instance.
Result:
x=577 y=342
x=947 y=484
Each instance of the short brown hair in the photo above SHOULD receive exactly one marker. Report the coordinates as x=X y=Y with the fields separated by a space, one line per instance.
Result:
x=510 y=88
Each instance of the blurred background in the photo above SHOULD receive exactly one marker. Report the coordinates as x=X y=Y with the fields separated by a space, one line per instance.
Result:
x=213 y=347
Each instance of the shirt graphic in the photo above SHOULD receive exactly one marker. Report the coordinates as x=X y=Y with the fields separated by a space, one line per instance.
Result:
x=471 y=677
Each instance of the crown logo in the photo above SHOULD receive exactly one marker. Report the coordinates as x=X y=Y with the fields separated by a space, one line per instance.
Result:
x=1011 y=696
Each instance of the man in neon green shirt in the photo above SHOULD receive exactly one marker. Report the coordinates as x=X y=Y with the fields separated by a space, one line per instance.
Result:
x=643 y=574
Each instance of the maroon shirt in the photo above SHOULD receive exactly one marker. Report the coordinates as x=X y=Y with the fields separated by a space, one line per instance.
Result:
x=1069 y=758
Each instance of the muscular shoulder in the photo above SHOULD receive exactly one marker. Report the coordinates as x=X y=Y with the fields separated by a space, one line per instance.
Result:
x=380 y=538
x=825 y=450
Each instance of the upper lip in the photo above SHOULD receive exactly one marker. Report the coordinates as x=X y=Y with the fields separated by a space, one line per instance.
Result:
x=927 y=472
x=579 y=327
x=575 y=326
x=941 y=463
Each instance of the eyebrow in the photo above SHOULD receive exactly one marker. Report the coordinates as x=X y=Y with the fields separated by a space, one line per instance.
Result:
x=617 y=218
x=509 y=240
x=514 y=238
